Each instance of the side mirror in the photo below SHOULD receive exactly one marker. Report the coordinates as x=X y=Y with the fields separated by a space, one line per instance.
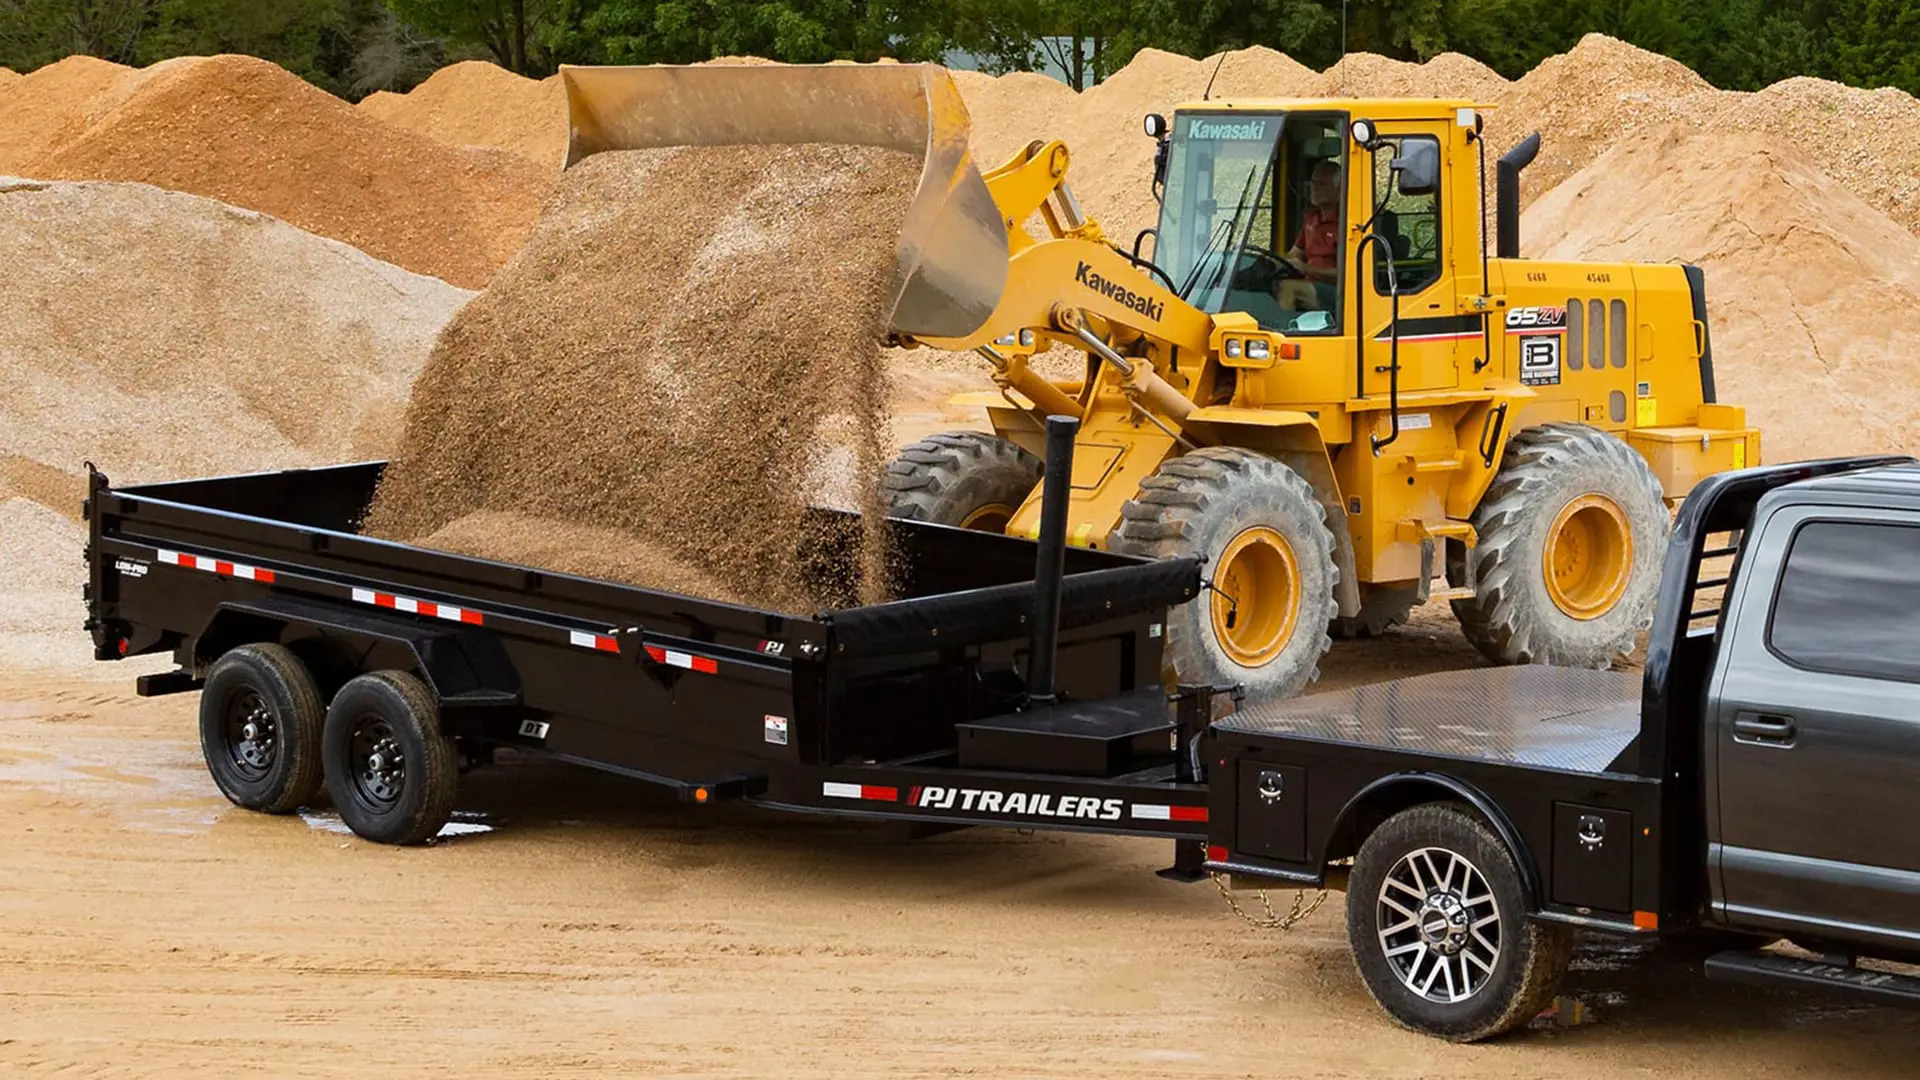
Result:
x=1156 y=126
x=1417 y=167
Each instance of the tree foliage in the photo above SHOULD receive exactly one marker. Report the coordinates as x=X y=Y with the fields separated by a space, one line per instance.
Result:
x=356 y=46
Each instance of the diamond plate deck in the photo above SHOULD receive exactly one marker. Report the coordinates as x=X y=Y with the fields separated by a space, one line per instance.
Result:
x=1557 y=718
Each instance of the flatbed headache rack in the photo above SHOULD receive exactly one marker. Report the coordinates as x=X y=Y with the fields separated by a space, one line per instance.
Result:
x=919 y=709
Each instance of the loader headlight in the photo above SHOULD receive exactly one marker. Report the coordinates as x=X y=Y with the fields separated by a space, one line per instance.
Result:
x=1026 y=338
x=1233 y=347
x=1004 y=339
x=1259 y=349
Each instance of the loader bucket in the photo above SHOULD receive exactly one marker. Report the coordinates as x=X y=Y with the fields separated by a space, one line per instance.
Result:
x=953 y=245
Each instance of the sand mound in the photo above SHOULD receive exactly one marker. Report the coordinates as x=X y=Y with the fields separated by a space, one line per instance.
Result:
x=1585 y=100
x=7 y=75
x=475 y=103
x=248 y=133
x=1803 y=279
x=164 y=335
x=686 y=350
x=40 y=578
x=48 y=107
x=1448 y=75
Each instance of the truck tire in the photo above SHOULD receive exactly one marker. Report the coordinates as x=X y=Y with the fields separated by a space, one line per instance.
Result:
x=260 y=725
x=1571 y=536
x=1380 y=611
x=961 y=478
x=1438 y=922
x=390 y=772
x=1263 y=536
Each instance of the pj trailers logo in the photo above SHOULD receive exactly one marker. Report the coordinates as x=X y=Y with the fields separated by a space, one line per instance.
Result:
x=1029 y=804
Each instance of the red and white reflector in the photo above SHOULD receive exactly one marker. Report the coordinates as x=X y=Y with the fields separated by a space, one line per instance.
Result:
x=1156 y=812
x=597 y=642
x=215 y=566
x=418 y=607
x=869 y=792
x=703 y=664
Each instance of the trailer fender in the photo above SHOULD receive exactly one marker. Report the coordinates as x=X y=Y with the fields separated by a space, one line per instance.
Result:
x=466 y=669
x=1388 y=795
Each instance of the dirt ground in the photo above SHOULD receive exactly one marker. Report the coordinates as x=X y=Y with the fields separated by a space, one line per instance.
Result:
x=581 y=925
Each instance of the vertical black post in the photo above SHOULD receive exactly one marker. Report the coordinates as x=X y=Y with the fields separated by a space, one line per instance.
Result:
x=1050 y=560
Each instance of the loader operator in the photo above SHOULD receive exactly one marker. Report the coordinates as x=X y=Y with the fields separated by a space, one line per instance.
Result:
x=1316 y=248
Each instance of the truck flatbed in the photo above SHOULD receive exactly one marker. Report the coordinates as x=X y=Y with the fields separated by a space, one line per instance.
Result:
x=1541 y=717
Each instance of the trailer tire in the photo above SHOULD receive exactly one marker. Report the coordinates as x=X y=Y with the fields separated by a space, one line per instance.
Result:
x=1380 y=611
x=962 y=478
x=1224 y=505
x=1571 y=535
x=260 y=728
x=390 y=772
x=1444 y=879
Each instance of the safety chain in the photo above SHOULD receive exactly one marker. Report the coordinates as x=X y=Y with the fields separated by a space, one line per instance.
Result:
x=1301 y=908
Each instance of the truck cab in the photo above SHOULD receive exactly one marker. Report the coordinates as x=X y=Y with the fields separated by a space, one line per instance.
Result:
x=1741 y=785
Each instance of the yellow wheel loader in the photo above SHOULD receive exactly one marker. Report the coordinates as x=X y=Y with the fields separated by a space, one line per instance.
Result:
x=1311 y=372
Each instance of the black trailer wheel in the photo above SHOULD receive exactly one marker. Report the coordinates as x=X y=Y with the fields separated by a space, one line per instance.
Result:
x=961 y=478
x=1263 y=534
x=260 y=728
x=1380 y=611
x=390 y=772
x=1571 y=534
x=1440 y=931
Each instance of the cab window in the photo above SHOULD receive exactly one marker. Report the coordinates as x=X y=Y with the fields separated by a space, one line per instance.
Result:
x=1290 y=270
x=1409 y=224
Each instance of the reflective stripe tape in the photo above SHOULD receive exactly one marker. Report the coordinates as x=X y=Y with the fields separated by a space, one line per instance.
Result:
x=215 y=566
x=704 y=665
x=870 y=792
x=596 y=642
x=1152 y=812
x=412 y=606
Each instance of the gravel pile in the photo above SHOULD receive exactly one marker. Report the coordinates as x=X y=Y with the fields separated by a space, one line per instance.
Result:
x=475 y=103
x=248 y=133
x=686 y=351
x=1801 y=277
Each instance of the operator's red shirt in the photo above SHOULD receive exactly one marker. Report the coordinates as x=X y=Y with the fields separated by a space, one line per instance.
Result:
x=1320 y=237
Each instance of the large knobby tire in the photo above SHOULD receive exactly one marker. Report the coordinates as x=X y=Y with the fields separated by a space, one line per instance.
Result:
x=961 y=478
x=260 y=728
x=1571 y=536
x=1263 y=536
x=1380 y=611
x=391 y=774
x=1437 y=918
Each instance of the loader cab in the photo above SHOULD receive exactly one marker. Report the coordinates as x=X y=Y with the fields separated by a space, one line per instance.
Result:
x=1253 y=215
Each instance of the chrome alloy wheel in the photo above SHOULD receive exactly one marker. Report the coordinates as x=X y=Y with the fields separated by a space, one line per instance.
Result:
x=1439 y=925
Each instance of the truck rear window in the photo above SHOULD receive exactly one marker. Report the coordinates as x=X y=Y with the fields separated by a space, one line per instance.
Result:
x=1849 y=601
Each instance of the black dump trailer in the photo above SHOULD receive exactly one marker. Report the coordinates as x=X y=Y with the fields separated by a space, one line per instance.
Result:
x=379 y=670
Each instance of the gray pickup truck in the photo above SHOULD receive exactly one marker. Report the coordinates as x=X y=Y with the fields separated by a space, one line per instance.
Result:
x=1752 y=787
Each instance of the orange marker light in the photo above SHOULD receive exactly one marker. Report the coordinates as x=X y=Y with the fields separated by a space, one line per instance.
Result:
x=700 y=794
x=1646 y=920
x=1289 y=351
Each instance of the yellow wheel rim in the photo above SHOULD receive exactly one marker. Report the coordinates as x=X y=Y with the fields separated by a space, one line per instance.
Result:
x=1589 y=557
x=992 y=517
x=1259 y=571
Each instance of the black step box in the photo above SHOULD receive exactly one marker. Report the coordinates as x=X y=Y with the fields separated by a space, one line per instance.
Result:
x=1109 y=737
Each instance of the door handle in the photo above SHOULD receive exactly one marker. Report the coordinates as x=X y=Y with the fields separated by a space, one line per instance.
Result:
x=1760 y=729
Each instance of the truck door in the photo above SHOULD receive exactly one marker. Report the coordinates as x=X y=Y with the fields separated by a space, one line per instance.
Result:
x=1815 y=741
x=1411 y=226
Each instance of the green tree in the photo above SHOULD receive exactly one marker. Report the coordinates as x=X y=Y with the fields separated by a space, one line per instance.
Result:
x=519 y=34
x=794 y=31
x=314 y=39
x=37 y=32
x=1873 y=43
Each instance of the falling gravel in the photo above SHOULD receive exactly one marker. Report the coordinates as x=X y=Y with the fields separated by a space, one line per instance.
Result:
x=686 y=351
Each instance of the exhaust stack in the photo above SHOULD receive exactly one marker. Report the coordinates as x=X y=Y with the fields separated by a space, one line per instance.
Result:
x=1507 y=194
